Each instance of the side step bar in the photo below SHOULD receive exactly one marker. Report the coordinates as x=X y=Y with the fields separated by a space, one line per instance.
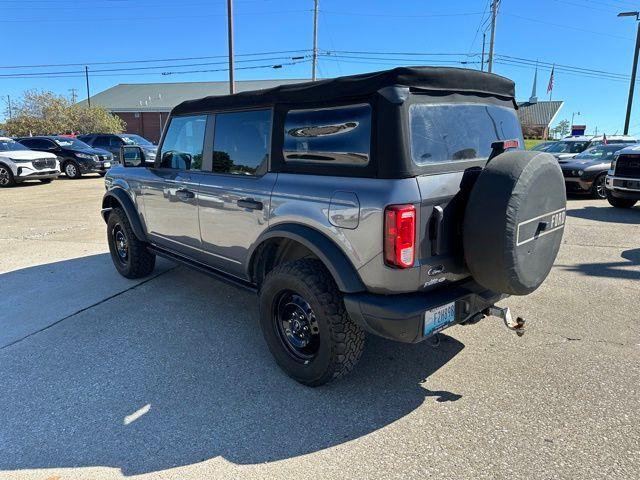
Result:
x=212 y=272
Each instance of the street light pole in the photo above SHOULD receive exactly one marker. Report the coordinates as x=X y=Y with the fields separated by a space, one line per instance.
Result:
x=573 y=114
x=232 y=83
x=633 y=71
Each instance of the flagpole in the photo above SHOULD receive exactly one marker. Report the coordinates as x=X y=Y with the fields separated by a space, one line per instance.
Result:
x=550 y=88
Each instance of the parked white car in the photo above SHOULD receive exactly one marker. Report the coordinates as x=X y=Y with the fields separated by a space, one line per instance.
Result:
x=18 y=163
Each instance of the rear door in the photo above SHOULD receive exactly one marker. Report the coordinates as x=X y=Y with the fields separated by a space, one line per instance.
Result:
x=171 y=191
x=234 y=195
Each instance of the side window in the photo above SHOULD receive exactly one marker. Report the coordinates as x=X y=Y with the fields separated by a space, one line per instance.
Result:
x=38 y=144
x=242 y=142
x=101 y=141
x=336 y=136
x=183 y=143
x=115 y=142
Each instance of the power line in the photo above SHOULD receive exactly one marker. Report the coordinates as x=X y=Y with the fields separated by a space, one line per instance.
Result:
x=157 y=60
x=126 y=69
x=80 y=75
x=565 y=26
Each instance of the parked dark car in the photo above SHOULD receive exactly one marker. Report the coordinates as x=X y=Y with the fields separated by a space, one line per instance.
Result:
x=543 y=147
x=586 y=172
x=112 y=142
x=76 y=157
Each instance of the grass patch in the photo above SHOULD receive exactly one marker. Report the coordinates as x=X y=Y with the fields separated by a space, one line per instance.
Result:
x=529 y=144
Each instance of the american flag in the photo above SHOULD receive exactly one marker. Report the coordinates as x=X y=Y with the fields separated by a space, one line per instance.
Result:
x=550 y=86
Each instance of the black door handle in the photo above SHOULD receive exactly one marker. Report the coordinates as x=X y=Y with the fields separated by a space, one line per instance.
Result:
x=435 y=234
x=185 y=194
x=250 y=203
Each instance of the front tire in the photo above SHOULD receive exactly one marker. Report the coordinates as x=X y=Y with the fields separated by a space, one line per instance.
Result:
x=72 y=170
x=598 y=189
x=130 y=256
x=305 y=324
x=6 y=177
x=620 y=202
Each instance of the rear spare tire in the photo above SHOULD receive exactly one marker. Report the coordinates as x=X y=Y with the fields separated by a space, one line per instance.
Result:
x=514 y=221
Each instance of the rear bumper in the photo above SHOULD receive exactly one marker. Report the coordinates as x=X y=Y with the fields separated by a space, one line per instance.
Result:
x=401 y=317
x=622 y=187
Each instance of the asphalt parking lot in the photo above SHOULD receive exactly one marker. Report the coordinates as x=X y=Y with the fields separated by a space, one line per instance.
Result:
x=169 y=377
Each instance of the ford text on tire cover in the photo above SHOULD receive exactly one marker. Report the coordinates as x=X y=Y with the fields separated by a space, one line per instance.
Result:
x=397 y=203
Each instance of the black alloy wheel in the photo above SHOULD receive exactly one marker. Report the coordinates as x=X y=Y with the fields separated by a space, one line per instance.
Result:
x=296 y=325
x=121 y=243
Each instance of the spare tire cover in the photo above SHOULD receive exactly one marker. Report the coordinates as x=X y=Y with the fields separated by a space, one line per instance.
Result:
x=514 y=220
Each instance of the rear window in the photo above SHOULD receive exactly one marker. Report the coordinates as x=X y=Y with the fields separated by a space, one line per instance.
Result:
x=461 y=131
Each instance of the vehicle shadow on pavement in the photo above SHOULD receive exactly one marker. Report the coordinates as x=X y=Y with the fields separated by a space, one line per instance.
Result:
x=607 y=213
x=175 y=372
x=631 y=258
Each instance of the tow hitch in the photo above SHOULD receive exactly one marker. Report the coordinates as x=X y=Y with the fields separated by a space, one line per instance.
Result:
x=516 y=325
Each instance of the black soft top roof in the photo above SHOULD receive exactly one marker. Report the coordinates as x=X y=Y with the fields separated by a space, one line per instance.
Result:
x=439 y=79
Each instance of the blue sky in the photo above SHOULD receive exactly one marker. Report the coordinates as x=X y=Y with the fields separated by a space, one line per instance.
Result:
x=573 y=33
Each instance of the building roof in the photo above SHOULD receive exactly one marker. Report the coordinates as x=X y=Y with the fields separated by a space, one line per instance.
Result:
x=538 y=113
x=162 y=97
x=429 y=79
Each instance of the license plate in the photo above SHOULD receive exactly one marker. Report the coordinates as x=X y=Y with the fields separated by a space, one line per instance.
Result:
x=107 y=164
x=439 y=318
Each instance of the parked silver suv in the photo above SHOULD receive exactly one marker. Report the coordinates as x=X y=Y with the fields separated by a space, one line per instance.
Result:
x=395 y=203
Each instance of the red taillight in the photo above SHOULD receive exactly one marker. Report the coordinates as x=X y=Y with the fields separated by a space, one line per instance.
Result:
x=400 y=235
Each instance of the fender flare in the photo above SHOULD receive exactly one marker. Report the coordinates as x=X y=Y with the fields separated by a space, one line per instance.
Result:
x=340 y=267
x=124 y=200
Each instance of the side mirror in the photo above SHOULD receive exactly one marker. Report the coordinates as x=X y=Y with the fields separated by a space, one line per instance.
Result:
x=132 y=156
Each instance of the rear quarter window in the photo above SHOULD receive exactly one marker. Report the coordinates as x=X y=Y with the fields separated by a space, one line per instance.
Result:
x=329 y=136
x=462 y=131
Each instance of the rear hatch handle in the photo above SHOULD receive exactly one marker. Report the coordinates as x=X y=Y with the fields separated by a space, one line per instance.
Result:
x=435 y=230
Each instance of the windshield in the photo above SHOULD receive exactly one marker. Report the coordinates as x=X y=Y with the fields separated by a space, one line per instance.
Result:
x=71 y=143
x=600 y=152
x=567 y=147
x=8 y=145
x=460 y=131
x=136 y=140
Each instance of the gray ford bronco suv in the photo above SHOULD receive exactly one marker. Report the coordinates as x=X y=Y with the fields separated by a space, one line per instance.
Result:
x=395 y=203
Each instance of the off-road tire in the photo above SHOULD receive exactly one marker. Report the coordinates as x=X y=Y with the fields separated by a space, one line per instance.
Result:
x=139 y=262
x=46 y=180
x=8 y=181
x=594 y=187
x=76 y=172
x=620 y=202
x=341 y=340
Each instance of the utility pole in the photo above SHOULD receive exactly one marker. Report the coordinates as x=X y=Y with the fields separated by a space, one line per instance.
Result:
x=633 y=72
x=86 y=76
x=484 y=41
x=9 y=105
x=74 y=94
x=314 y=62
x=232 y=83
x=494 y=14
